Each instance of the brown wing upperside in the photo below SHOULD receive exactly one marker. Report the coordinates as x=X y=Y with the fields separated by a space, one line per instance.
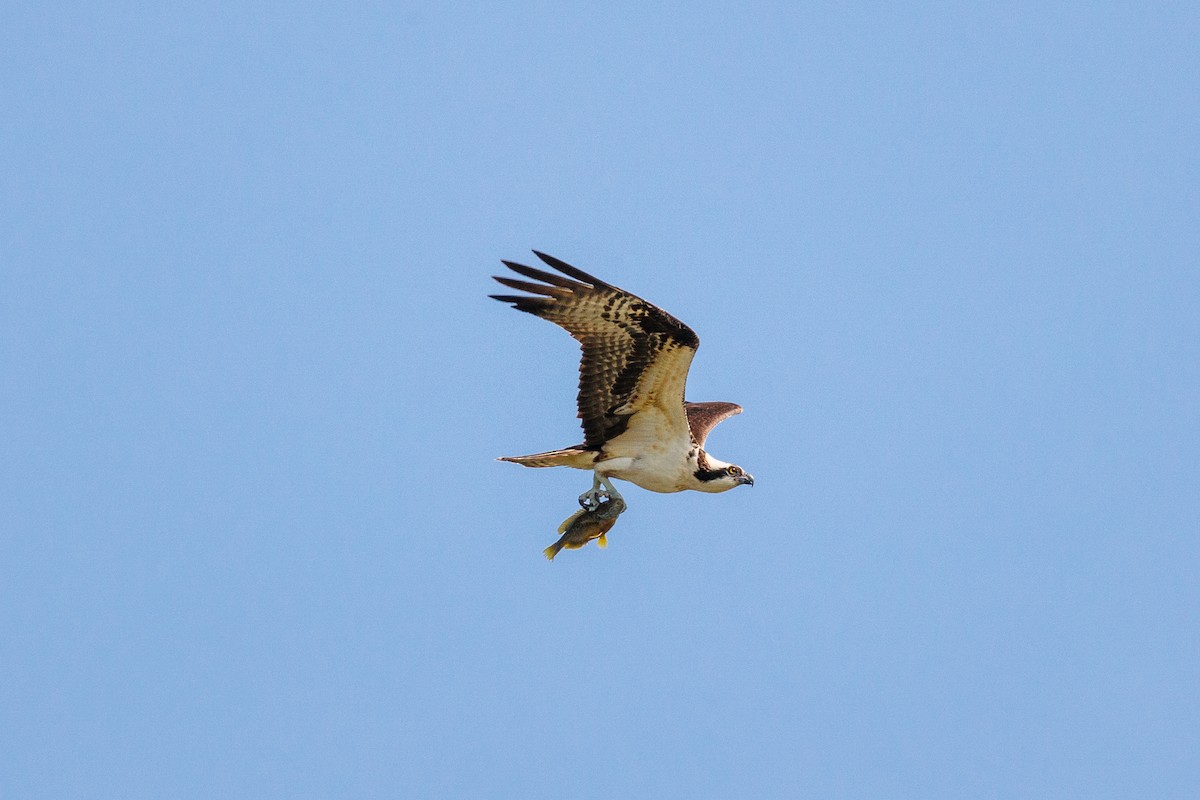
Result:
x=634 y=353
x=703 y=417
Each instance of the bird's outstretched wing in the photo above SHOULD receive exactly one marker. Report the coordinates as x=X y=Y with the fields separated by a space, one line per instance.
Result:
x=703 y=417
x=635 y=355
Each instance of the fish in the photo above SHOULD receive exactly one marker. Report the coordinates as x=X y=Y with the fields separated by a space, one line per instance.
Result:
x=583 y=526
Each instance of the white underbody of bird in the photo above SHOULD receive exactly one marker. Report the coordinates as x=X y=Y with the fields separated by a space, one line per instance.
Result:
x=632 y=375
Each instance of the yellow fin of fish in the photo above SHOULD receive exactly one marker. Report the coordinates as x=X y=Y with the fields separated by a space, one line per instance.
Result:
x=570 y=520
x=603 y=540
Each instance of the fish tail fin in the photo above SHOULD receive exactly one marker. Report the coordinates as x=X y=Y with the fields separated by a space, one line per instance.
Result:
x=551 y=551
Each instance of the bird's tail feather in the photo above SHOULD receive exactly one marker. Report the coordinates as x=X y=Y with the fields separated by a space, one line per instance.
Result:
x=579 y=457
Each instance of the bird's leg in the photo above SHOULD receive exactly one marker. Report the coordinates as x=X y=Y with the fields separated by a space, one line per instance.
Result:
x=610 y=490
x=590 y=500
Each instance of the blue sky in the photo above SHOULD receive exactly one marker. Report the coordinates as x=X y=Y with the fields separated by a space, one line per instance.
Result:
x=253 y=541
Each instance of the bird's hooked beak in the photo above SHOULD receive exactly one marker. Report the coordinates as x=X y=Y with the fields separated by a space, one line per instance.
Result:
x=746 y=478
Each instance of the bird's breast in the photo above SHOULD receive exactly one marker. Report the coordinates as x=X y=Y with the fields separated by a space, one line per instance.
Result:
x=656 y=471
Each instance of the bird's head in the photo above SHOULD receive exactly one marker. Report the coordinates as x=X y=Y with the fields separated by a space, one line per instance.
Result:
x=721 y=477
x=736 y=476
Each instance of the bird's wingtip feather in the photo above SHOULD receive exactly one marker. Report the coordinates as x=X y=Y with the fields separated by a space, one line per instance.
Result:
x=567 y=269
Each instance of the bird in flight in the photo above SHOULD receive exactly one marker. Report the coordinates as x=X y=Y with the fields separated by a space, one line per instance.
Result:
x=636 y=424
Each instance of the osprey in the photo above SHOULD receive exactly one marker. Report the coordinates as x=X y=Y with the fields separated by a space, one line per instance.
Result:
x=636 y=424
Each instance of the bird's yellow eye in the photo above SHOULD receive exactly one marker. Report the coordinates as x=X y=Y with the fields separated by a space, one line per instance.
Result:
x=735 y=471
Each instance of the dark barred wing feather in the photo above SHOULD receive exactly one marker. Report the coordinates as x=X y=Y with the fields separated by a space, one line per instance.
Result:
x=634 y=353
